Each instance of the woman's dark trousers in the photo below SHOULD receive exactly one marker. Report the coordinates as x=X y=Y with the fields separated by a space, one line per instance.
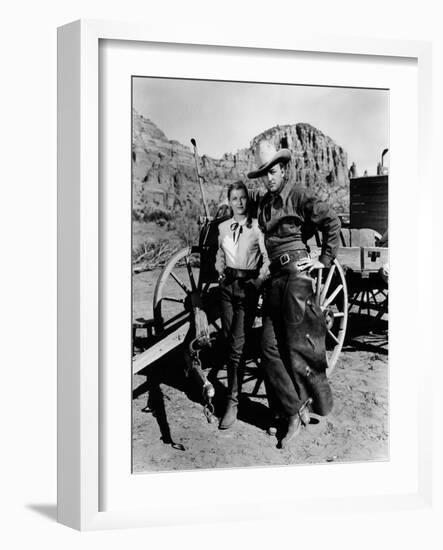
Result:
x=239 y=299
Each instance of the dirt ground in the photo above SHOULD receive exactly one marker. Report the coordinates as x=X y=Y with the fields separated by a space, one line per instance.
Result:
x=170 y=431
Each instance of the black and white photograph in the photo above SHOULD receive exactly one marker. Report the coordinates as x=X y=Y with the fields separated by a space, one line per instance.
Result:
x=197 y=275
x=260 y=274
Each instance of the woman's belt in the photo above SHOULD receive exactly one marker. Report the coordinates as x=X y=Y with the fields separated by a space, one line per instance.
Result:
x=233 y=273
x=287 y=261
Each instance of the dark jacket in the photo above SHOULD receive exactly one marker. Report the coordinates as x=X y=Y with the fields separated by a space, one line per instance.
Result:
x=289 y=218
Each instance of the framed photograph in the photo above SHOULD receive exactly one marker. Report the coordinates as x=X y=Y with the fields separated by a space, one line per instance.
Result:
x=232 y=306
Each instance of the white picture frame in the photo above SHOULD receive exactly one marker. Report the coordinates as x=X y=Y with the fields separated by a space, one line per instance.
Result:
x=80 y=414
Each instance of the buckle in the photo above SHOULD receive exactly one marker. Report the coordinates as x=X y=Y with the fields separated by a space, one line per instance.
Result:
x=284 y=259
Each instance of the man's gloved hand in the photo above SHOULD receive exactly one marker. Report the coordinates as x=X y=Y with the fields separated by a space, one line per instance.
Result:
x=309 y=264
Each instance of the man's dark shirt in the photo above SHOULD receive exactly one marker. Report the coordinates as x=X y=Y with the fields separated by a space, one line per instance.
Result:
x=290 y=217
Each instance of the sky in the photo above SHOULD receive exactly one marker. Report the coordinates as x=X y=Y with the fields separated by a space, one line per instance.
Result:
x=225 y=116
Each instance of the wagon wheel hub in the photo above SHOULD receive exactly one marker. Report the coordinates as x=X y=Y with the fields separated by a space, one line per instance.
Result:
x=329 y=318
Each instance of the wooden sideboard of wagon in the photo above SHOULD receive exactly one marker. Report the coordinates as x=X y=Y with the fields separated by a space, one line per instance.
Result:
x=363 y=252
x=368 y=230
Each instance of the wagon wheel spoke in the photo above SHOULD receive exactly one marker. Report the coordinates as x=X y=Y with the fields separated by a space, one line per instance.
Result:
x=216 y=325
x=332 y=296
x=327 y=283
x=354 y=300
x=319 y=285
x=179 y=282
x=183 y=315
x=171 y=299
x=191 y=274
x=332 y=335
x=379 y=304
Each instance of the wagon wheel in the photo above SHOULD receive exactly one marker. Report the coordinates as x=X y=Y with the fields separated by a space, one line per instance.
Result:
x=370 y=301
x=332 y=295
x=179 y=279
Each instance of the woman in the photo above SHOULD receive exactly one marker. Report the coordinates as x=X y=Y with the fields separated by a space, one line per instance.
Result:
x=242 y=265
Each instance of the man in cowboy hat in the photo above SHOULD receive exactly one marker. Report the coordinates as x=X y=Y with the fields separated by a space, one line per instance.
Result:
x=294 y=328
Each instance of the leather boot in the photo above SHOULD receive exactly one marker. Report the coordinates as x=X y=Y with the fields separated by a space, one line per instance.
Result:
x=294 y=427
x=304 y=412
x=230 y=415
x=296 y=422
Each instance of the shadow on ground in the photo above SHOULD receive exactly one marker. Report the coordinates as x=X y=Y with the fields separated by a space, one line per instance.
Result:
x=365 y=333
x=172 y=370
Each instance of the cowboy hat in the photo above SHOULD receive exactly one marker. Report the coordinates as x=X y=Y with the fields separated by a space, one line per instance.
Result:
x=267 y=156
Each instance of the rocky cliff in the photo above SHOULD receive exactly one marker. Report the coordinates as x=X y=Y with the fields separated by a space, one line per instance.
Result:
x=164 y=176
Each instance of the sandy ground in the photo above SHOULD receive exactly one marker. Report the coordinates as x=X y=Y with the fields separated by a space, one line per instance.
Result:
x=170 y=431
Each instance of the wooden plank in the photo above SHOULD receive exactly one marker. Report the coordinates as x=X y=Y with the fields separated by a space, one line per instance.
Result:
x=365 y=216
x=367 y=187
x=159 y=349
x=370 y=213
x=368 y=198
x=357 y=258
x=368 y=216
x=358 y=237
x=376 y=193
x=367 y=205
x=377 y=178
x=369 y=202
x=350 y=256
x=375 y=210
x=365 y=183
x=373 y=258
x=376 y=186
x=380 y=208
x=370 y=193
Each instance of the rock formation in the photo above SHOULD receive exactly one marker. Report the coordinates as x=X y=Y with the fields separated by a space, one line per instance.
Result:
x=164 y=175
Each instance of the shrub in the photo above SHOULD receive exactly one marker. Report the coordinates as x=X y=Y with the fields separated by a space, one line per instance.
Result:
x=151 y=255
x=150 y=214
x=185 y=222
